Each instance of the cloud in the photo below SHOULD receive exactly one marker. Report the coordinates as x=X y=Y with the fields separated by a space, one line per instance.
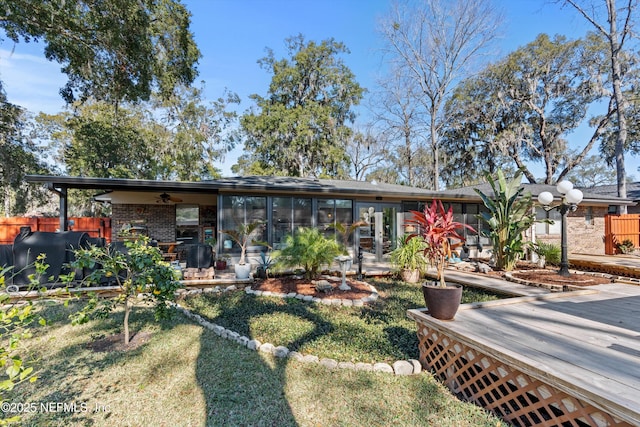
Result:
x=31 y=81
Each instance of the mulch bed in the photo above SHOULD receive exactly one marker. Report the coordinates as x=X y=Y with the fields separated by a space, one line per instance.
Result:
x=553 y=278
x=288 y=285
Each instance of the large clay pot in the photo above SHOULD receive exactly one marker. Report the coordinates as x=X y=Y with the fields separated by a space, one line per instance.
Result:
x=442 y=302
x=242 y=271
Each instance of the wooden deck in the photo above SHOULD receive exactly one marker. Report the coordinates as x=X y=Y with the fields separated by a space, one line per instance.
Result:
x=582 y=347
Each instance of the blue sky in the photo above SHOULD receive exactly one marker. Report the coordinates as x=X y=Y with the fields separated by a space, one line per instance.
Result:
x=233 y=34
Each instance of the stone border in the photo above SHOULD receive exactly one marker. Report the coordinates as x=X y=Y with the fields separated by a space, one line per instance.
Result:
x=399 y=367
x=553 y=287
x=306 y=298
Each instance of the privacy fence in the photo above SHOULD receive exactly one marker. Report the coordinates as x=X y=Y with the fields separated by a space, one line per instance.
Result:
x=95 y=227
x=618 y=229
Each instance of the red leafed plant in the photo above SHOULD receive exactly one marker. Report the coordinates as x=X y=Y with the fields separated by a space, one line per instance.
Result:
x=437 y=228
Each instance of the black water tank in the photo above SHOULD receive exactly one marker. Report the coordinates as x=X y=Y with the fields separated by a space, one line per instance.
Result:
x=58 y=248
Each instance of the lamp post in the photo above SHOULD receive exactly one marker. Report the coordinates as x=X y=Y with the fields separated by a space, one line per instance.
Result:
x=571 y=197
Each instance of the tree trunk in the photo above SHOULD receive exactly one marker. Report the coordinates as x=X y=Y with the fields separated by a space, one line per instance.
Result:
x=127 y=310
x=616 y=77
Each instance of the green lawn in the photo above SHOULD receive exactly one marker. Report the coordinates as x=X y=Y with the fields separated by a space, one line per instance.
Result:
x=187 y=376
x=378 y=332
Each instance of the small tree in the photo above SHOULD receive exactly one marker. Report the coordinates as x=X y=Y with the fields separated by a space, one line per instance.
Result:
x=140 y=270
x=16 y=318
x=509 y=214
x=309 y=249
x=243 y=236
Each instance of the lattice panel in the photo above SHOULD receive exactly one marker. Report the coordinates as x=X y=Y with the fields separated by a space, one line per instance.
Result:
x=510 y=394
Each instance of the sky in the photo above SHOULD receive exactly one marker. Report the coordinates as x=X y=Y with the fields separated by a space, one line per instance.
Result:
x=232 y=36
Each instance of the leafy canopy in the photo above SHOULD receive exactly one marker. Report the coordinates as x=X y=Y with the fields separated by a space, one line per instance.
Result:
x=110 y=50
x=300 y=127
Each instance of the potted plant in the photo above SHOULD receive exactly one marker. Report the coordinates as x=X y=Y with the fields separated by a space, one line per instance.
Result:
x=243 y=236
x=437 y=228
x=408 y=258
x=221 y=262
x=265 y=263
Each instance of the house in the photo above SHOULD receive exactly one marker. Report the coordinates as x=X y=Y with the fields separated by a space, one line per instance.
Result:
x=190 y=212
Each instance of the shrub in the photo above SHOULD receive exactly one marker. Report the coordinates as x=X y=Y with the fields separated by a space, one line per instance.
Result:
x=626 y=246
x=550 y=251
x=308 y=249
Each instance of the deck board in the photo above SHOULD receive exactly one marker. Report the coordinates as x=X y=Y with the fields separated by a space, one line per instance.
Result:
x=588 y=344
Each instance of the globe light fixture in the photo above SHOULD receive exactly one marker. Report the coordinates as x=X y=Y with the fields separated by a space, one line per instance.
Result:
x=571 y=197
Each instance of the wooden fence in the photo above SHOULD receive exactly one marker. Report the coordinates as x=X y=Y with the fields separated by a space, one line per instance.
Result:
x=95 y=227
x=618 y=228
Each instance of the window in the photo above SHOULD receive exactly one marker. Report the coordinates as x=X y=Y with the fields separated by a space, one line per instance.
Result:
x=588 y=215
x=238 y=210
x=187 y=217
x=334 y=211
x=289 y=214
x=543 y=228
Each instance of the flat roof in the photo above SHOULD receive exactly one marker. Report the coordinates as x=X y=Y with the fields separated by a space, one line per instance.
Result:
x=278 y=184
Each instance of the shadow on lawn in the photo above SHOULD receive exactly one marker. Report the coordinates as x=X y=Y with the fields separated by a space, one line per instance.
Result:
x=244 y=387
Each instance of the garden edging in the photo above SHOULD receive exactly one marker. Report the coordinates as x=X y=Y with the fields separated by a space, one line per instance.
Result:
x=399 y=367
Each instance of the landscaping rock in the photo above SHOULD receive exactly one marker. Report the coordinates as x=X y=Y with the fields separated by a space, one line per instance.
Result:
x=243 y=341
x=323 y=285
x=254 y=344
x=296 y=355
x=267 y=348
x=383 y=367
x=329 y=363
x=364 y=366
x=281 y=351
x=417 y=366
x=310 y=358
x=347 y=365
x=402 y=367
x=483 y=268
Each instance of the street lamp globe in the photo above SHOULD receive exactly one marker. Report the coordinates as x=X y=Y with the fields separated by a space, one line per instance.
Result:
x=564 y=187
x=574 y=196
x=545 y=198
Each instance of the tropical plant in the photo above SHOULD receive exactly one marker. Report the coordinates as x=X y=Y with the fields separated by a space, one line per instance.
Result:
x=409 y=254
x=346 y=230
x=137 y=271
x=509 y=213
x=265 y=263
x=549 y=251
x=437 y=228
x=626 y=246
x=243 y=236
x=308 y=248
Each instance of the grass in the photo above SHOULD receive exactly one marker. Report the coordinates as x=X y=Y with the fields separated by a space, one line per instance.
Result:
x=186 y=375
x=380 y=332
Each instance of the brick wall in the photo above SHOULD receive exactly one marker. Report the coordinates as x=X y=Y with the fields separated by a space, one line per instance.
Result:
x=582 y=237
x=159 y=219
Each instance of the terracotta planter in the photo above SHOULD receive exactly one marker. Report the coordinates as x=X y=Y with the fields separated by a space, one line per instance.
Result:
x=442 y=302
x=410 y=276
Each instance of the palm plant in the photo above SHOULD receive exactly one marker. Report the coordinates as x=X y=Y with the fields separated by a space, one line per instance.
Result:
x=243 y=236
x=509 y=214
x=309 y=249
x=437 y=227
x=409 y=254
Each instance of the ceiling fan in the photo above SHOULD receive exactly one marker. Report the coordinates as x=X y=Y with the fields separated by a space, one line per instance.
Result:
x=166 y=198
